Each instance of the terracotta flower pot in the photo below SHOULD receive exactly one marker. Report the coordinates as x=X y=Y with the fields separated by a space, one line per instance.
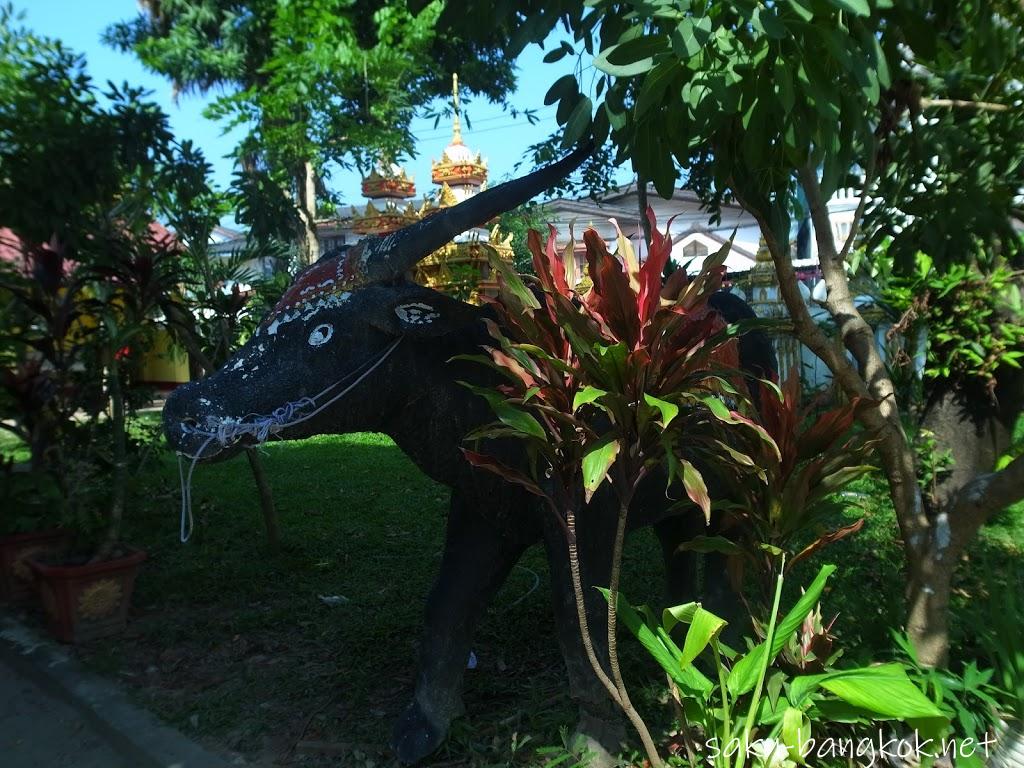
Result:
x=84 y=602
x=15 y=552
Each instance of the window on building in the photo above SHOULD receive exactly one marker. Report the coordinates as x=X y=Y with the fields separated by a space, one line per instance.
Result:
x=841 y=230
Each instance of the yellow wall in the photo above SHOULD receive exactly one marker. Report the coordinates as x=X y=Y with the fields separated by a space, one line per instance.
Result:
x=164 y=362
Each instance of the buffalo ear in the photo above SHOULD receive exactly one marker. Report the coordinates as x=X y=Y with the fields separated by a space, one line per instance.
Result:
x=418 y=311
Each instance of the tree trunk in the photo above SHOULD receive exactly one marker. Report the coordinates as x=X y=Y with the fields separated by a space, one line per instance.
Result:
x=266 y=499
x=933 y=539
x=645 y=223
x=972 y=430
x=119 y=477
x=928 y=596
x=305 y=198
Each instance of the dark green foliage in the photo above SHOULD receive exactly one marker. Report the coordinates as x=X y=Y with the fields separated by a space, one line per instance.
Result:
x=219 y=299
x=967 y=698
x=318 y=81
x=84 y=176
x=972 y=315
x=66 y=148
x=518 y=223
x=739 y=95
x=1000 y=619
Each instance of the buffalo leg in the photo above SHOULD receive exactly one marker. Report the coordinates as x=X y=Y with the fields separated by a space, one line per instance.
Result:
x=477 y=559
x=600 y=727
x=682 y=568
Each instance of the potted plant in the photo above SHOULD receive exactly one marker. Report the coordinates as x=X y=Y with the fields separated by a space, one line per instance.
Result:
x=88 y=600
x=86 y=589
x=73 y=312
x=28 y=532
x=85 y=180
x=40 y=390
x=87 y=593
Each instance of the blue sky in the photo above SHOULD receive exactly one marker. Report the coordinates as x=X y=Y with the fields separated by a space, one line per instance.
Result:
x=502 y=139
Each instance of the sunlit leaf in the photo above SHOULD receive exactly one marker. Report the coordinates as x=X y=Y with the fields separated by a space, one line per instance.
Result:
x=668 y=410
x=596 y=463
x=696 y=488
x=586 y=395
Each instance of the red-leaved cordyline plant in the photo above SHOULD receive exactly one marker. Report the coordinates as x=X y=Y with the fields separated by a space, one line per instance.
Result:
x=780 y=495
x=609 y=385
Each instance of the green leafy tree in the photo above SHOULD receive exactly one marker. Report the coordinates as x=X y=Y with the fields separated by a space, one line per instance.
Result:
x=208 y=313
x=315 y=82
x=916 y=105
x=518 y=223
x=81 y=180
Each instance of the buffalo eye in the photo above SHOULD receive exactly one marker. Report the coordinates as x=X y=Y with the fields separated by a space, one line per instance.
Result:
x=321 y=334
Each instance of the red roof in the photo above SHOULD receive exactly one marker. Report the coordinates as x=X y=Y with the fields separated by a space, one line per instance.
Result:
x=10 y=246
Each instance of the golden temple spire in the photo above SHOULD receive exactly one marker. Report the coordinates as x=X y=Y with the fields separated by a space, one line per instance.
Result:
x=763 y=254
x=456 y=126
x=460 y=168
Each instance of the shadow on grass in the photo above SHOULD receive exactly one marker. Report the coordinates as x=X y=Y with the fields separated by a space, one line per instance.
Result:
x=233 y=644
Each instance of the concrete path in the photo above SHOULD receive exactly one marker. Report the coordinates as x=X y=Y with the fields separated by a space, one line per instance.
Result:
x=55 y=714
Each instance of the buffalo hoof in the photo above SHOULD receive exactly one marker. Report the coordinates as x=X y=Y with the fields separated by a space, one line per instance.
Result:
x=416 y=735
x=599 y=740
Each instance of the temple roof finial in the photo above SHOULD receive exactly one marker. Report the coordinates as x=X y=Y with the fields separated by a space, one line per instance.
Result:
x=456 y=126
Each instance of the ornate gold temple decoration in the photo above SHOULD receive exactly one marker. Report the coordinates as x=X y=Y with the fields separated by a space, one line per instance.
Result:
x=462 y=267
x=386 y=187
x=763 y=282
x=99 y=599
x=458 y=166
x=446 y=198
x=388 y=180
x=766 y=301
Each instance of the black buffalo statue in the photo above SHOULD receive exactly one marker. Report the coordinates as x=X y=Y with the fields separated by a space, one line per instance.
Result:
x=355 y=346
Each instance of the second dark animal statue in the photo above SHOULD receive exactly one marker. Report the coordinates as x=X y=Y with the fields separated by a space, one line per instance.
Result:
x=355 y=346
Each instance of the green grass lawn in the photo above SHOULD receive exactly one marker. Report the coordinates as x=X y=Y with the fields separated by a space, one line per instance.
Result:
x=232 y=643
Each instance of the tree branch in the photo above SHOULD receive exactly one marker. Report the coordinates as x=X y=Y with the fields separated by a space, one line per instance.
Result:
x=985 y=106
x=984 y=496
x=869 y=179
x=804 y=327
x=859 y=338
x=857 y=335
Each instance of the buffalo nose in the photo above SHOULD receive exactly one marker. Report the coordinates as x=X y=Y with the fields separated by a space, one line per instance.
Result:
x=184 y=411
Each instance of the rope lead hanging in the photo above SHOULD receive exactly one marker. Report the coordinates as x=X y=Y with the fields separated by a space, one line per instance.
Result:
x=260 y=427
